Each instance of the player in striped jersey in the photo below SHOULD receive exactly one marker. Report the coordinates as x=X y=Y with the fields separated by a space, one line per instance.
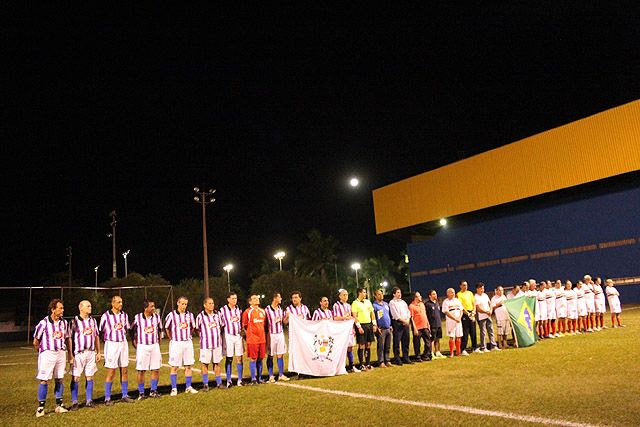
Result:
x=296 y=309
x=86 y=352
x=208 y=325
x=254 y=326
x=231 y=318
x=146 y=339
x=276 y=345
x=52 y=340
x=323 y=313
x=342 y=311
x=179 y=325
x=114 y=325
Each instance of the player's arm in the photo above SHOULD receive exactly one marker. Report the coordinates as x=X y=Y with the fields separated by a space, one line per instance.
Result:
x=285 y=319
x=167 y=328
x=374 y=321
x=133 y=333
x=98 y=349
x=70 y=350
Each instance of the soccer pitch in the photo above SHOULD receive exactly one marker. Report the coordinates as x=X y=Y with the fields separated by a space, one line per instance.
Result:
x=589 y=379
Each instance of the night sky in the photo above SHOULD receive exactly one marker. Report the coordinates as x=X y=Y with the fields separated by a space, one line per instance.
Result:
x=129 y=109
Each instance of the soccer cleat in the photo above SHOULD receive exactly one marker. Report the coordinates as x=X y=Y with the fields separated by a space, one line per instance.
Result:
x=127 y=399
x=369 y=368
x=283 y=377
x=141 y=396
x=440 y=355
x=154 y=394
x=40 y=412
x=108 y=402
x=60 y=409
x=477 y=350
x=240 y=384
x=254 y=382
x=486 y=350
x=191 y=390
x=205 y=388
x=220 y=386
x=74 y=406
x=356 y=370
x=382 y=365
x=589 y=330
x=90 y=404
x=174 y=392
x=261 y=381
x=418 y=359
x=464 y=353
x=272 y=379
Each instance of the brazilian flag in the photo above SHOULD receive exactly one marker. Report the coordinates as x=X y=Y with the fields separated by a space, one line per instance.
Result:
x=522 y=314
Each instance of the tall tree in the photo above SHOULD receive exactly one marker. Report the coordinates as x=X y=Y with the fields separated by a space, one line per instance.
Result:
x=316 y=255
x=378 y=270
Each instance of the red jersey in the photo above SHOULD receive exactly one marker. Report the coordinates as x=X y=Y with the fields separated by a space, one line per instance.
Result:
x=253 y=320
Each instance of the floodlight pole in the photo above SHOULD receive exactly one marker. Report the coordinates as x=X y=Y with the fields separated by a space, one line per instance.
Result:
x=204 y=198
x=113 y=242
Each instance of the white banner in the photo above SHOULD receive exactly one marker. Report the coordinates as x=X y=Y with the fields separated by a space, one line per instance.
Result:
x=318 y=348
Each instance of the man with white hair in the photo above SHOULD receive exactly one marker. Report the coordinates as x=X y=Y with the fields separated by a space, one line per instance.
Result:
x=614 y=304
x=86 y=351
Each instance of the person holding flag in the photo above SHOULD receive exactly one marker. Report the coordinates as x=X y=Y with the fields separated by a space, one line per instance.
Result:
x=342 y=311
x=323 y=312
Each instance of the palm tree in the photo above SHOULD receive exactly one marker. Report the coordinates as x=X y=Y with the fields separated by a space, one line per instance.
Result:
x=316 y=254
x=378 y=270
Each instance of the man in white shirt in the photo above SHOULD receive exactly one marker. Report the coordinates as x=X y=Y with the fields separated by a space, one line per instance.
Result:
x=614 y=304
x=401 y=324
x=452 y=309
x=502 y=317
x=483 y=308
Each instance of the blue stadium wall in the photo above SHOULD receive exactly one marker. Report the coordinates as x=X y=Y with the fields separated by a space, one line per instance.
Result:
x=598 y=235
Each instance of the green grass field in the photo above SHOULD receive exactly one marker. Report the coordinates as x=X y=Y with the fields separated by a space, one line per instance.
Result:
x=589 y=379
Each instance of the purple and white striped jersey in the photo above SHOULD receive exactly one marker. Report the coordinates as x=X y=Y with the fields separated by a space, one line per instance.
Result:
x=147 y=328
x=302 y=311
x=321 y=314
x=114 y=327
x=231 y=320
x=180 y=325
x=84 y=332
x=341 y=309
x=52 y=334
x=208 y=326
x=274 y=319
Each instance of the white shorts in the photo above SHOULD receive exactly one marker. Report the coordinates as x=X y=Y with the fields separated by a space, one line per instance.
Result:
x=551 y=311
x=181 y=353
x=541 y=312
x=582 y=309
x=116 y=354
x=572 y=312
x=591 y=305
x=503 y=327
x=85 y=361
x=454 y=329
x=561 y=310
x=277 y=345
x=615 y=308
x=233 y=345
x=208 y=355
x=600 y=306
x=148 y=357
x=51 y=364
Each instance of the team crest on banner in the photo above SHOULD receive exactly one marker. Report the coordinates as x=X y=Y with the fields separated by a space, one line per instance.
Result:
x=323 y=347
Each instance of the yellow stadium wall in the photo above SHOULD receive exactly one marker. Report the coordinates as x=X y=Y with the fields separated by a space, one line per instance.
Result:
x=597 y=147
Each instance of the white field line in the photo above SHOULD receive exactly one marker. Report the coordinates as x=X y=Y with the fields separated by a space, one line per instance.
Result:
x=17 y=363
x=465 y=409
x=32 y=354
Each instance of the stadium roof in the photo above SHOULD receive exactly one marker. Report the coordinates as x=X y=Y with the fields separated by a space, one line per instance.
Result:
x=601 y=146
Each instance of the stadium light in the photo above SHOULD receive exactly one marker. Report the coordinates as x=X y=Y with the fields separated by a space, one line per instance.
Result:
x=443 y=222
x=228 y=269
x=126 y=268
x=356 y=267
x=279 y=255
x=354 y=182
x=204 y=198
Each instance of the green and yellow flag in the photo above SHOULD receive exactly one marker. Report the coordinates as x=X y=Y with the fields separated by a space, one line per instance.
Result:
x=522 y=315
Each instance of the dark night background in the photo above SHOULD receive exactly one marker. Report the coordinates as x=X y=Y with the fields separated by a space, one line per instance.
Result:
x=129 y=109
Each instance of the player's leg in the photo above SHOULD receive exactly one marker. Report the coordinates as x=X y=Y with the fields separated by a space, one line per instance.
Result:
x=141 y=385
x=188 y=360
x=239 y=366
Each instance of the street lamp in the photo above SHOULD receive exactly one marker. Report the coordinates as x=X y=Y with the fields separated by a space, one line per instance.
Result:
x=279 y=255
x=204 y=198
x=356 y=267
x=96 y=270
x=126 y=269
x=228 y=269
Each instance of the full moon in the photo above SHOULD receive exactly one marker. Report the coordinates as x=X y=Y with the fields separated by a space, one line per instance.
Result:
x=354 y=182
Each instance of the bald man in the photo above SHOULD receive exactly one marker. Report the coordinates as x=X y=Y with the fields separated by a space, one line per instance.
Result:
x=86 y=352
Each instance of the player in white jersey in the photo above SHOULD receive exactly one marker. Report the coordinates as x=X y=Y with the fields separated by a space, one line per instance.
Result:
x=323 y=312
x=86 y=352
x=589 y=298
x=614 y=304
x=452 y=309
x=582 y=307
x=561 y=307
x=52 y=340
x=276 y=345
x=147 y=339
x=231 y=318
x=209 y=329
x=342 y=311
x=502 y=317
x=550 y=298
x=572 y=307
x=114 y=325
x=600 y=303
x=296 y=308
x=541 y=309
x=180 y=325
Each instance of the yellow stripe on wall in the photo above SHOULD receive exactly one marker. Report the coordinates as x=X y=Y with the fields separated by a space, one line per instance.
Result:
x=590 y=149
